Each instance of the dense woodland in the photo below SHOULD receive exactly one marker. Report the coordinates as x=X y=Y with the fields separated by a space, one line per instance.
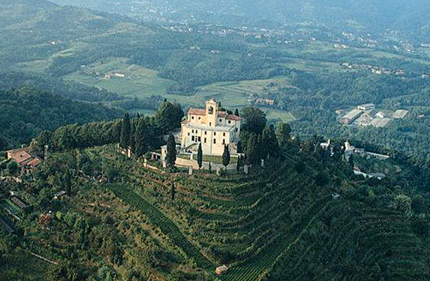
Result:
x=25 y=112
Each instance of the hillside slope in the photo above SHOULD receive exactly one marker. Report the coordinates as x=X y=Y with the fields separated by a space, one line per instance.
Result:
x=305 y=217
x=25 y=112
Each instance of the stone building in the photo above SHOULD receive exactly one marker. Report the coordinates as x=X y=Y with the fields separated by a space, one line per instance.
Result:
x=211 y=127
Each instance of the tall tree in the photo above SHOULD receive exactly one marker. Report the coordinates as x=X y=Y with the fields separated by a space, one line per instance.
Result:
x=273 y=145
x=254 y=120
x=125 y=131
x=283 y=132
x=251 y=149
x=133 y=136
x=141 y=137
x=171 y=151
x=226 y=157
x=351 y=161
x=200 y=156
x=236 y=112
x=266 y=143
x=238 y=164
x=261 y=149
x=169 y=116
x=67 y=182
x=172 y=191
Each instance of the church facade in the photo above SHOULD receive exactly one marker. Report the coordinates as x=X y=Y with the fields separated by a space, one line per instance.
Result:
x=212 y=128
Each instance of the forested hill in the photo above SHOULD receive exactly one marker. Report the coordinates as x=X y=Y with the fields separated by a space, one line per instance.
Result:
x=25 y=112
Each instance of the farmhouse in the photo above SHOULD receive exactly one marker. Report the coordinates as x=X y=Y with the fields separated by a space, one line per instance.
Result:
x=212 y=128
x=24 y=158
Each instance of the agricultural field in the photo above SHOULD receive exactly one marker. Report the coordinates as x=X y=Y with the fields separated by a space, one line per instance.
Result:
x=21 y=265
x=141 y=82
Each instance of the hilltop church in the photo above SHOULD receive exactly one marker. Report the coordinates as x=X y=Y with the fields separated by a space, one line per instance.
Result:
x=212 y=128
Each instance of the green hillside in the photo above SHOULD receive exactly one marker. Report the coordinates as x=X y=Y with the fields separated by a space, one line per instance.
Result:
x=25 y=112
x=301 y=217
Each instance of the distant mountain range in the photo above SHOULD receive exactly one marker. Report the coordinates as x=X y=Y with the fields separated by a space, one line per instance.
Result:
x=408 y=16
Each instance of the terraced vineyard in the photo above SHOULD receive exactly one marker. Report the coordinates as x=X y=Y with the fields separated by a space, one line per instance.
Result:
x=279 y=224
x=286 y=225
x=158 y=218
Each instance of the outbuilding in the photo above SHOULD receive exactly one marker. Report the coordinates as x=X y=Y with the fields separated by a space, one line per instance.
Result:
x=221 y=270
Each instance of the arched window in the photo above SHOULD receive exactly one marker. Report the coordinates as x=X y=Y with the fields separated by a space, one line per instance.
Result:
x=211 y=110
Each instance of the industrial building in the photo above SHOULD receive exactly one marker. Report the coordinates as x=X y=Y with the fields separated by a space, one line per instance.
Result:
x=351 y=116
x=400 y=114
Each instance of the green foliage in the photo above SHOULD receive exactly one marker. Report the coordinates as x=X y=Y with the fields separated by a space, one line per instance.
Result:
x=12 y=167
x=26 y=112
x=169 y=116
x=402 y=203
x=254 y=120
x=322 y=179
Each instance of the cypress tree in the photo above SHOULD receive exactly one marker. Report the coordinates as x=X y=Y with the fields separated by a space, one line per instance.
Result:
x=239 y=159
x=67 y=182
x=171 y=151
x=133 y=136
x=141 y=137
x=251 y=149
x=125 y=131
x=266 y=145
x=226 y=157
x=200 y=156
x=261 y=149
x=351 y=161
x=283 y=132
x=236 y=112
x=172 y=191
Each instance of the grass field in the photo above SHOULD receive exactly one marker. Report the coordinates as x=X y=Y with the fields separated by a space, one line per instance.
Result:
x=143 y=82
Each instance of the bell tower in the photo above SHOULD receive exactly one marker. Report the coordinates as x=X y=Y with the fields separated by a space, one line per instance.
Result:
x=211 y=112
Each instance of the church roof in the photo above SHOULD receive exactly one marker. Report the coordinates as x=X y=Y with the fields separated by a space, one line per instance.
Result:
x=197 y=111
x=233 y=117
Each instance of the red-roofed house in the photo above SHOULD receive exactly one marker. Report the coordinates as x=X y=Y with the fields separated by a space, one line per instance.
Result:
x=24 y=158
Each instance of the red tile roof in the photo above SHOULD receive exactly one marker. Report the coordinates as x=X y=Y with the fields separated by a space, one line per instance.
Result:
x=34 y=162
x=233 y=117
x=23 y=157
x=197 y=111
x=19 y=155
